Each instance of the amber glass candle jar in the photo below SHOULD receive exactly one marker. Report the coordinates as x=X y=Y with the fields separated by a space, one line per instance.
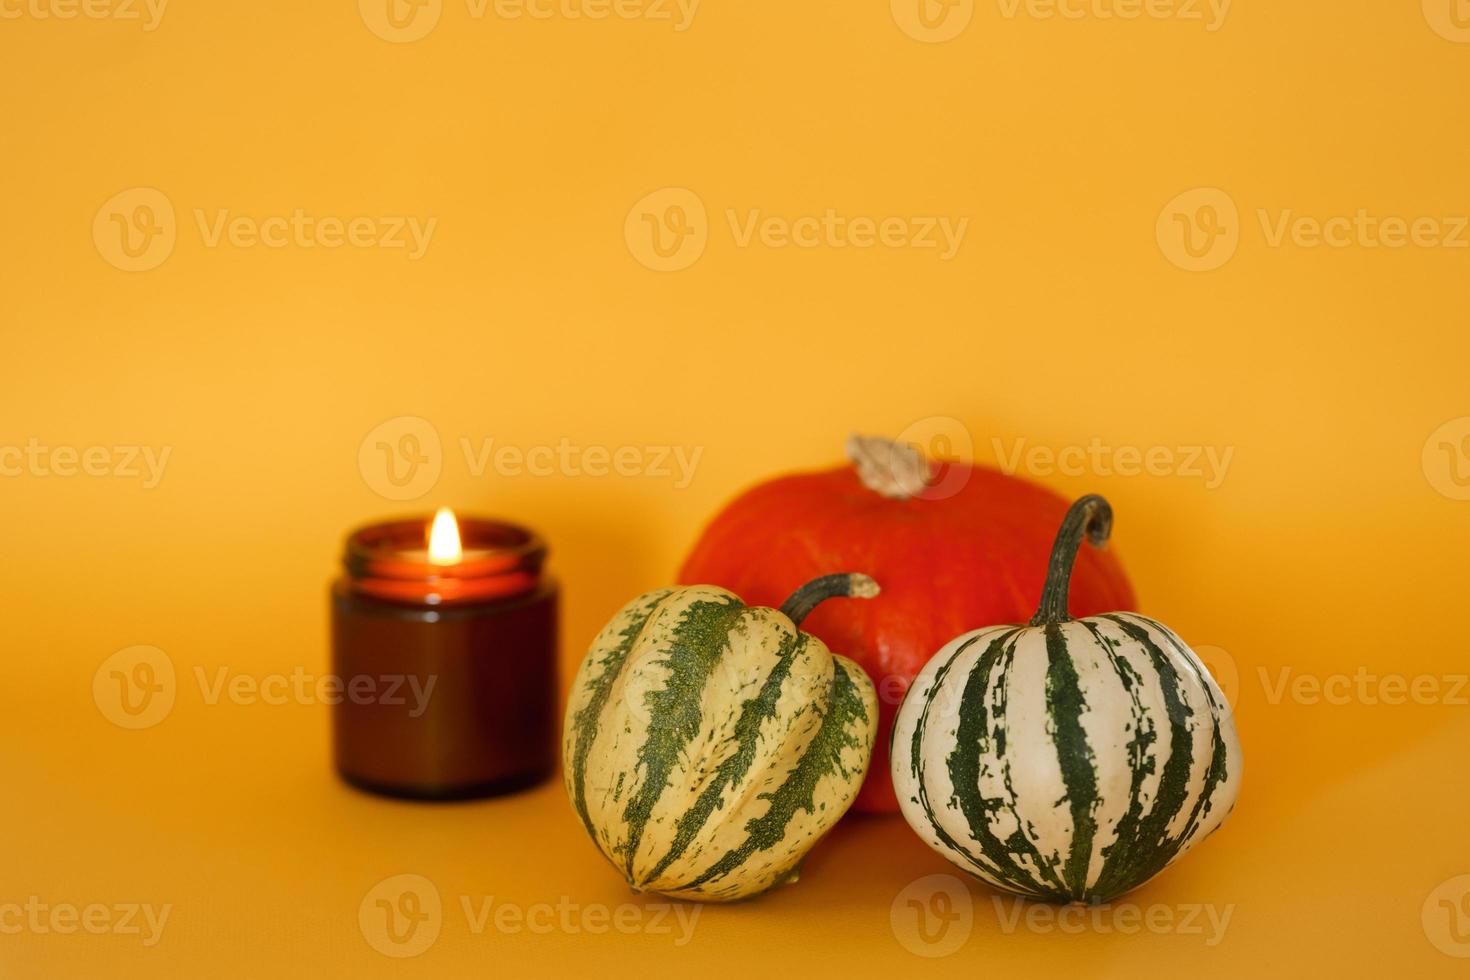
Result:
x=453 y=658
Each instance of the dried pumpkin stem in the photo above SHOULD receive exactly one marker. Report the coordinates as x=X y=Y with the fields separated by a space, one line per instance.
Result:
x=819 y=590
x=895 y=470
x=1092 y=516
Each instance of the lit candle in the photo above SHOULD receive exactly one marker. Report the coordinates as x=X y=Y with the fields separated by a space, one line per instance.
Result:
x=444 y=544
x=458 y=618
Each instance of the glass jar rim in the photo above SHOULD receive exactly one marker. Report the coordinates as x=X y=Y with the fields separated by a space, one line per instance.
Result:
x=389 y=560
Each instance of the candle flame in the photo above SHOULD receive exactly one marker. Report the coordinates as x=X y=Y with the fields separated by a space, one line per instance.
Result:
x=444 y=546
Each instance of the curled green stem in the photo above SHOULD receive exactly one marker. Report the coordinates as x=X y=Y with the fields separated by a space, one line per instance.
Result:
x=1091 y=516
x=819 y=590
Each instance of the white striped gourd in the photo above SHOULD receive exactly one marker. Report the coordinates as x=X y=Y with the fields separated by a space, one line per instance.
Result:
x=708 y=744
x=1067 y=760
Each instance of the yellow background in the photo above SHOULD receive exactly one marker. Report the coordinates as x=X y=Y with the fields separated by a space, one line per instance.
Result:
x=1331 y=546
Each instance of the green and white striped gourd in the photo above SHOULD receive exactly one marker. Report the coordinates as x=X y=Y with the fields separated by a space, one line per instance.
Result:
x=708 y=744
x=1067 y=760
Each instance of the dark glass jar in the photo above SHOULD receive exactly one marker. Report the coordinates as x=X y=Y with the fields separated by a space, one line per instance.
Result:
x=447 y=673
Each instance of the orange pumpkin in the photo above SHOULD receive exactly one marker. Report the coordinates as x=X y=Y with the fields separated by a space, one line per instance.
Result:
x=954 y=547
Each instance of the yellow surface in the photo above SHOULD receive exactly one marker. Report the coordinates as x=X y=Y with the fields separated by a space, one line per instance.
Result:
x=1077 y=150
